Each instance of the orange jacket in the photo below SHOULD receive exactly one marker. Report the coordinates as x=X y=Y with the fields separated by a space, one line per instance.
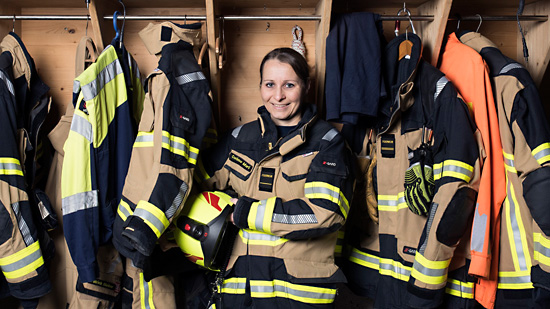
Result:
x=465 y=68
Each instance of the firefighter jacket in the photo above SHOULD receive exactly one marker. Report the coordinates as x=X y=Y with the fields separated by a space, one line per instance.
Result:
x=294 y=193
x=465 y=68
x=422 y=257
x=107 y=98
x=525 y=134
x=177 y=113
x=24 y=105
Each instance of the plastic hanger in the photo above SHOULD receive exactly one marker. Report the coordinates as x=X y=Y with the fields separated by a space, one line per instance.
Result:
x=119 y=34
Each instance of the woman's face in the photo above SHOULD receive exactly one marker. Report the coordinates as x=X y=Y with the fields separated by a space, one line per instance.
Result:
x=282 y=92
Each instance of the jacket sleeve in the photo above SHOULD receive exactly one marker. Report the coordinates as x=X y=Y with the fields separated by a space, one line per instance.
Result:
x=456 y=174
x=21 y=259
x=173 y=124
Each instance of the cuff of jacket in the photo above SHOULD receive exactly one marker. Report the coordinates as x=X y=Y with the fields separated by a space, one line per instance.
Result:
x=424 y=298
x=88 y=273
x=241 y=211
x=480 y=265
x=138 y=233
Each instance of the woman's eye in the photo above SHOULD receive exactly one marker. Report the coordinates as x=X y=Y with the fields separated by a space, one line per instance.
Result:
x=269 y=85
x=289 y=85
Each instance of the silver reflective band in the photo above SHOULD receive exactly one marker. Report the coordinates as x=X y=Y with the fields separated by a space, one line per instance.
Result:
x=234 y=285
x=236 y=131
x=542 y=249
x=8 y=83
x=459 y=287
x=79 y=201
x=515 y=231
x=82 y=127
x=144 y=138
x=395 y=268
x=26 y=261
x=92 y=89
x=294 y=219
x=541 y=154
x=257 y=236
x=478 y=230
x=146 y=293
x=124 y=210
x=508 y=162
x=190 y=77
x=180 y=146
x=510 y=67
x=433 y=210
x=287 y=290
x=327 y=191
x=520 y=279
x=147 y=216
x=365 y=258
x=259 y=221
x=177 y=200
x=330 y=135
x=10 y=166
x=454 y=168
x=439 y=86
x=76 y=87
x=23 y=227
x=429 y=271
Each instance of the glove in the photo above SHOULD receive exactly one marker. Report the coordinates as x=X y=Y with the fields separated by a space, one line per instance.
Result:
x=419 y=181
x=370 y=194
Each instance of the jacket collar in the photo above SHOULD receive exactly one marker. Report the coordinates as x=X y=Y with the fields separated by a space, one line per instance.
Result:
x=156 y=36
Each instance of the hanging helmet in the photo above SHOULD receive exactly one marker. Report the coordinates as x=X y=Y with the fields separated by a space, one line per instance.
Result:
x=201 y=227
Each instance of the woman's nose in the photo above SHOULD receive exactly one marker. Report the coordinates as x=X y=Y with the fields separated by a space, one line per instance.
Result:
x=279 y=94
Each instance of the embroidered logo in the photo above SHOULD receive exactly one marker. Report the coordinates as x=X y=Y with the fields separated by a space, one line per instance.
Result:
x=240 y=161
x=409 y=250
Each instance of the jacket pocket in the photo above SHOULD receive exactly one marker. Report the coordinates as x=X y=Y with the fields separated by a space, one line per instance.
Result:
x=293 y=176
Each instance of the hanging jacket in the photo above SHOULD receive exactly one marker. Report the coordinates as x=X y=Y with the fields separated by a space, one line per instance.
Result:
x=422 y=258
x=177 y=113
x=525 y=135
x=465 y=68
x=107 y=98
x=294 y=194
x=24 y=105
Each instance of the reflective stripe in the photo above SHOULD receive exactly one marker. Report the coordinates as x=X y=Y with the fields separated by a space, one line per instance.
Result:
x=439 y=86
x=92 y=89
x=76 y=87
x=190 y=77
x=236 y=131
x=146 y=293
x=392 y=202
x=10 y=166
x=430 y=272
x=23 y=227
x=144 y=139
x=23 y=262
x=460 y=288
x=389 y=267
x=260 y=215
x=339 y=244
x=330 y=135
x=453 y=168
x=364 y=259
x=542 y=153
x=179 y=146
x=433 y=211
x=182 y=191
x=323 y=190
x=542 y=249
x=509 y=67
x=297 y=292
x=8 y=83
x=515 y=280
x=152 y=216
x=516 y=231
x=82 y=126
x=124 y=210
x=478 y=230
x=258 y=238
x=234 y=286
x=79 y=201
x=509 y=162
x=294 y=219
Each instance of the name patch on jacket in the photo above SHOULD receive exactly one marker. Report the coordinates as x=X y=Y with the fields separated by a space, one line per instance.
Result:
x=266 y=179
x=387 y=147
x=236 y=159
x=409 y=250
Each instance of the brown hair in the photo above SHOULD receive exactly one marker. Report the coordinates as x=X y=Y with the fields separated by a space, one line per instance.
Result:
x=291 y=57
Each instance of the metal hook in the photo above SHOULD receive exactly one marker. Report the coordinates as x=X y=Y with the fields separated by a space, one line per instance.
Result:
x=268 y=25
x=123 y=21
x=13 y=25
x=185 y=19
x=87 y=20
x=480 y=21
x=397 y=22
x=458 y=18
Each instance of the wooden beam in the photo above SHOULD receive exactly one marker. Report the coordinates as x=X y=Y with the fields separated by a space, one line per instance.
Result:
x=537 y=39
x=215 y=73
x=324 y=9
x=103 y=29
x=432 y=33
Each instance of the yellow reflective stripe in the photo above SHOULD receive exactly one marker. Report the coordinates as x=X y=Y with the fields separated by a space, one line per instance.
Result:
x=516 y=231
x=542 y=153
x=146 y=293
x=460 y=288
x=389 y=267
x=10 y=166
x=509 y=162
x=234 y=286
x=453 y=168
x=23 y=262
x=124 y=210
x=144 y=139
x=323 y=190
x=339 y=243
x=365 y=259
x=542 y=249
x=392 y=203
x=431 y=272
x=515 y=280
x=297 y=292
x=260 y=214
x=251 y=237
x=152 y=216
x=180 y=146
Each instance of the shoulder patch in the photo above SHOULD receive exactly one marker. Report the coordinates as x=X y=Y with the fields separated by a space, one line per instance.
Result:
x=330 y=134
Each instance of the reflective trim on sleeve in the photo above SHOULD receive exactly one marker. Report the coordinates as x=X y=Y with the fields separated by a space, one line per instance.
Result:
x=542 y=249
x=509 y=67
x=392 y=202
x=250 y=237
x=294 y=219
x=152 y=216
x=179 y=146
x=10 y=166
x=124 y=210
x=79 y=201
x=515 y=280
x=23 y=262
x=8 y=83
x=389 y=267
x=145 y=293
x=298 y=292
x=323 y=190
x=182 y=191
x=23 y=227
x=109 y=73
x=236 y=131
x=330 y=135
x=509 y=162
x=144 y=139
x=430 y=272
x=460 y=288
x=441 y=83
x=261 y=212
x=517 y=238
x=542 y=153
x=479 y=229
x=82 y=126
x=190 y=77
x=234 y=286
x=365 y=259
x=453 y=168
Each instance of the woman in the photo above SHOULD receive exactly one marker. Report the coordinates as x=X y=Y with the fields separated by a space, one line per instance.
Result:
x=291 y=172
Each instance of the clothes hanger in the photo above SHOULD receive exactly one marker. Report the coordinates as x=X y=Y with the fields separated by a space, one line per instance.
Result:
x=13 y=25
x=119 y=34
x=405 y=48
x=220 y=45
x=480 y=21
x=525 y=50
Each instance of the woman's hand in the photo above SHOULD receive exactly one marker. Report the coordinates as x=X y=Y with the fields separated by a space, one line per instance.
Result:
x=234 y=201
